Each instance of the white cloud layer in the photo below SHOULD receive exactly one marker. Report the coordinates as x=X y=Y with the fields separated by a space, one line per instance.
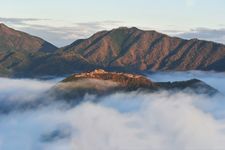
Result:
x=23 y=89
x=122 y=121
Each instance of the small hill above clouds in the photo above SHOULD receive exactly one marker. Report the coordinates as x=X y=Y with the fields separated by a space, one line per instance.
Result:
x=100 y=82
x=93 y=85
x=130 y=81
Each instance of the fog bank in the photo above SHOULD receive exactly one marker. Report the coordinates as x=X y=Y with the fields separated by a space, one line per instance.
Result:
x=122 y=121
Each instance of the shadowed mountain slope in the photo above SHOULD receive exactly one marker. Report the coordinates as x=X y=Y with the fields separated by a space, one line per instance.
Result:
x=18 y=50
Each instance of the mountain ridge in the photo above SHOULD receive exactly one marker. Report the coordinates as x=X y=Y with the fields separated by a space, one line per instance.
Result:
x=123 y=49
x=145 y=46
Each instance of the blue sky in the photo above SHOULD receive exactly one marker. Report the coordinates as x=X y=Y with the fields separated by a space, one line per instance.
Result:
x=73 y=19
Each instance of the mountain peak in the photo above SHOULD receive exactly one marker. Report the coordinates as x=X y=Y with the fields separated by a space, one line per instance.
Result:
x=126 y=28
x=4 y=29
x=17 y=40
x=2 y=25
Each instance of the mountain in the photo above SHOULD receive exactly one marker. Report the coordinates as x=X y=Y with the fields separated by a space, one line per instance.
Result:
x=122 y=49
x=100 y=82
x=18 y=50
x=134 y=49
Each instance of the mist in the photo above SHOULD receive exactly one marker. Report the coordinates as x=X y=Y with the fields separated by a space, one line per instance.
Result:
x=214 y=79
x=122 y=121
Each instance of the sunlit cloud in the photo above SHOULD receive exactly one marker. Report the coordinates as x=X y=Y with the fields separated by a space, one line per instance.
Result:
x=155 y=121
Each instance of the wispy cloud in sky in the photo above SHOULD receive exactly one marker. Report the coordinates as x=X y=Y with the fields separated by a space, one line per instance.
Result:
x=18 y=21
x=62 y=33
x=217 y=35
x=57 y=32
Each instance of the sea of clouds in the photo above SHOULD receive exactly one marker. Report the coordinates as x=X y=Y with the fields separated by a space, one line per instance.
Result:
x=121 y=121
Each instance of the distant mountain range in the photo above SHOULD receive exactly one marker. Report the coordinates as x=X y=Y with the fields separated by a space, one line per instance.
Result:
x=126 y=49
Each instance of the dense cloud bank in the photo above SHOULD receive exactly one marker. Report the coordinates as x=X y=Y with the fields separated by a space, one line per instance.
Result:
x=135 y=120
